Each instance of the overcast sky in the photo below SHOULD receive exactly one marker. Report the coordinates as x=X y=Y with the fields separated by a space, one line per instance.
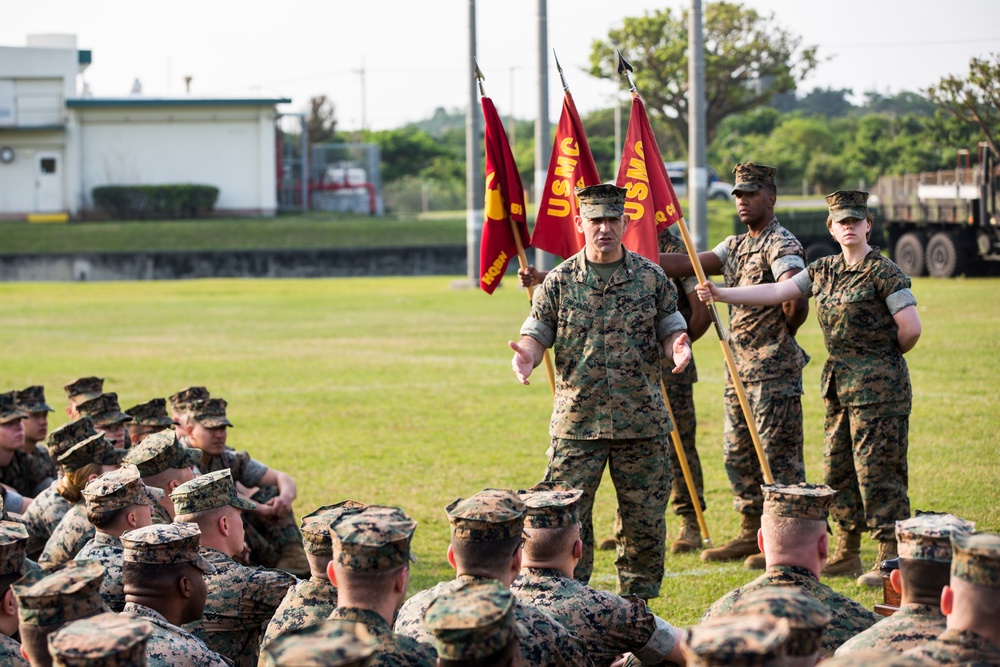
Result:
x=412 y=52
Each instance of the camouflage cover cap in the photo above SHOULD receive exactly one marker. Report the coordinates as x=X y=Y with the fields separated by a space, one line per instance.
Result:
x=492 y=515
x=752 y=177
x=316 y=525
x=742 y=641
x=601 y=201
x=67 y=435
x=103 y=410
x=104 y=640
x=162 y=451
x=799 y=501
x=928 y=536
x=151 y=413
x=551 y=505
x=807 y=617
x=472 y=621
x=166 y=544
x=216 y=489
x=211 y=413
x=327 y=644
x=185 y=398
x=376 y=538
x=13 y=540
x=120 y=488
x=64 y=594
x=875 y=658
x=976 y=558
x=847 y=204
x=9 y=409
x=84 y=389
x=94 y=449
x=32 y=399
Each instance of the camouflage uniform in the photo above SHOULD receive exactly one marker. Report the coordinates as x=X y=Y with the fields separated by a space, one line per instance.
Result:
x=10 y=653
x=104 y=640
x=68 y=537
x=474 y=622
x=25 y=474
x=911 y=625
x=32 y=400
x=42 y=516
x=392 y=649
x=172 y=646
x=751 y=640
x=770 y=364
x=307 y=602
x=107 y=550
x=332 y=644
x=608 y=408
x=865 y=387
x=13 y=541
x=958 y=647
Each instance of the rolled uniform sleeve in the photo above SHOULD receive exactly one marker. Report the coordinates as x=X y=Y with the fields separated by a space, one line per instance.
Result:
x=670 y=324
x=897 y=301
x=722 y=250
x=540 y=331
x=803 y=280
x=786 y=263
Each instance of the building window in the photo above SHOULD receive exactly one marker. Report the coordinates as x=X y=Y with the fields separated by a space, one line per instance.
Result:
x=48 y=165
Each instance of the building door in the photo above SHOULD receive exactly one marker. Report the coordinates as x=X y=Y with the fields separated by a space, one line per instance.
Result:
x=48 y=183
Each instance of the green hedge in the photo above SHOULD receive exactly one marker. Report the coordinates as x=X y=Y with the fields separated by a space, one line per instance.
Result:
x=133 y=202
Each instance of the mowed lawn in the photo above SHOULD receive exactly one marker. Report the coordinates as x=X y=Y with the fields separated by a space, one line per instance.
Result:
x=400 y=391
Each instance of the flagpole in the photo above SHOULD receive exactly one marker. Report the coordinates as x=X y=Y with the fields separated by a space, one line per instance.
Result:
x=522 y=258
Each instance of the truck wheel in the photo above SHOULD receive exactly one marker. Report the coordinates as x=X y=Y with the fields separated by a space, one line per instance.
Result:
x=942 y=256
x=909 y=254
x=817 y=250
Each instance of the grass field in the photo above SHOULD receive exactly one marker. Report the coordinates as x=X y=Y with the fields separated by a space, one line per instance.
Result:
x=400 y=391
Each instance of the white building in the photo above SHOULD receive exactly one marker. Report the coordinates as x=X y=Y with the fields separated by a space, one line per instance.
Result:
x=57 y=144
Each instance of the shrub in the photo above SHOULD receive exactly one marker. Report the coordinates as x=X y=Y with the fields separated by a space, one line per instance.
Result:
x=132 y=202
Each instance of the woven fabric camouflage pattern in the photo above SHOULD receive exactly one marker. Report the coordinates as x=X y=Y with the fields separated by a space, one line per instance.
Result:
x=32 y=399
x=909 y=626
x=875 y=658
x=162 y=451
x=392 y=650
x=104 y=640
x=84 y=389
x=606 y=346
x=682 y=403
x=10 y=653
x=9 y=409
x=68 y=537
x=848 y=618
x=864 y=459
x=69 y=434
x=42 y=516
x=118 y=489
x=170 y=645
x=957 y=647
x=44 y=461
x=151 y=413
x=211 y=413
x=166 y=544
x=245 y=469
x=265 y=537
x=13 y=541
x=492 y=515
x=928 y=536
x=60 y=596
x=546 y=641
x=376 y=538
x=23 y=473
x=685 y=286
x=798 y=501
x=185 y=398
x=976 y=558
x=604 y=200
x=330 y=644
x=752 y=641
x=471 y=621
x=807 y=617
x=208 y=491
x=752 y=177
x=551 y=504
x=845 y=204
x=316 y=525
x=306 y=603
x=103 y=410
x=241 y=602
x=641 y=475
x=607 y=624
x=95 y=449
x=107 y=550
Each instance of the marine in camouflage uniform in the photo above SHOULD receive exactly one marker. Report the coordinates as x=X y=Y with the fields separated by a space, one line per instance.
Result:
x=608 y=332
x=172 y=646
x=107 y=550
x=494 y=516
x=20 y=470
x=104 y=640
x=807 y=619
x=333 y=643
x=241 y=600
x=736 y=640
x=13 y=565
x=32 y=400
x=475 y=623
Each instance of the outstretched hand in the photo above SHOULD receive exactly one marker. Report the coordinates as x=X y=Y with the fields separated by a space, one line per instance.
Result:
x=681 y=353
x=707 y=291
x=522 y=362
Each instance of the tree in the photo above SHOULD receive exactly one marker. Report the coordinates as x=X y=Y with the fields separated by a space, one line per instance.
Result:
x=748 y=59
x=975 y=99
x=322 y=120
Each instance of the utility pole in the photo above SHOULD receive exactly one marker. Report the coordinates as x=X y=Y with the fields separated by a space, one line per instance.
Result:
x=543 y=260
x=364 y=122
x=473 y=178
x=697 y=172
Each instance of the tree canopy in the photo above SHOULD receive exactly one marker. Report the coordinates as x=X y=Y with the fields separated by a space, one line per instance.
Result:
x=976 y=98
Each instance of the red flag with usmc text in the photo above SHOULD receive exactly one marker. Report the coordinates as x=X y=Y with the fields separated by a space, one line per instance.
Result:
x=650 y=201
x=571 y=166
x=504 y=203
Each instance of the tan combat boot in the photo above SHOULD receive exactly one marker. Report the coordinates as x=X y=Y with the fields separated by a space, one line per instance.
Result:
x=607 y=544
x=846 y=560
x=689 y=538
x=293 y=560
x=873 y=577
x=755 y=562
x=744 y=544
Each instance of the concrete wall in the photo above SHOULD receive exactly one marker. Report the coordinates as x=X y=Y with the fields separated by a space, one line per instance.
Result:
x=355 y=262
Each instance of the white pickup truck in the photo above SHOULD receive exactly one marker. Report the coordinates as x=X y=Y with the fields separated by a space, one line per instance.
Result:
x=677 y=171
